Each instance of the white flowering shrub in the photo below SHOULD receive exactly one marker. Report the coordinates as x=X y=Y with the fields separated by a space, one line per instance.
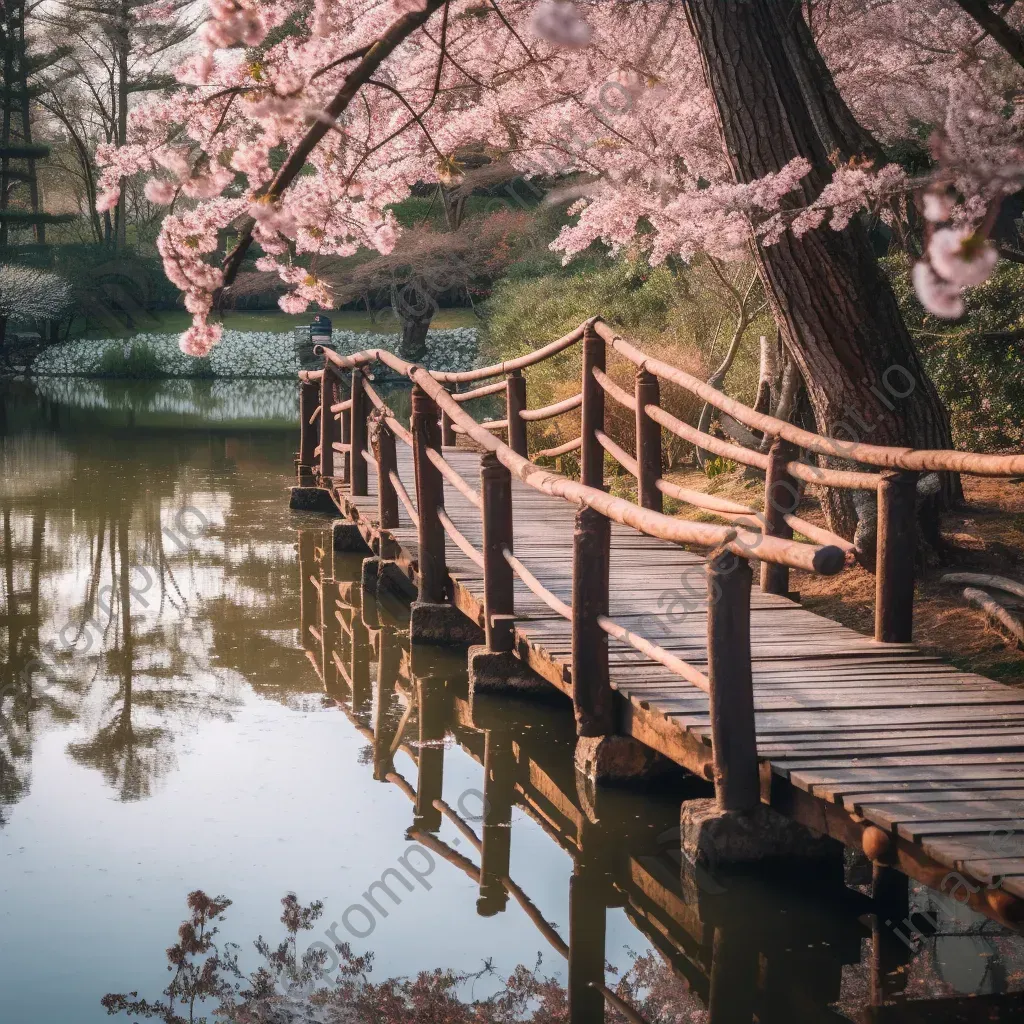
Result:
x=219 y=401
x=254 y=354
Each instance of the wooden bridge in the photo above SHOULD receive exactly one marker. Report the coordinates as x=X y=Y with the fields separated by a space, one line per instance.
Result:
x=572 y=590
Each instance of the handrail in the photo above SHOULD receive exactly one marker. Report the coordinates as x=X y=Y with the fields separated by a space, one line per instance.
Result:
x=403 y=494
x=826 y=560
x=820 y=475
x=620 y=455
x=655 y=653
x=487 y=389
x=621 y=395
x=454 y=477
x=875 y=455
x=535 y=586
x=460 y=539
x=562 y=449
x=549 y=411
x=744 y=515
x=509 y=365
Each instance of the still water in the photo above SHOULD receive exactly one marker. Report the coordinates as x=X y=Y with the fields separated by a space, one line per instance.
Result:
x=195 y=696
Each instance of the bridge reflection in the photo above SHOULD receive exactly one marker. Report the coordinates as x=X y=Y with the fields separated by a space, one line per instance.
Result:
x=745 y=947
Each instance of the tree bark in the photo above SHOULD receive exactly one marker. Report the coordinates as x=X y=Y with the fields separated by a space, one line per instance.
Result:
x=838 y=314
x=414 y=339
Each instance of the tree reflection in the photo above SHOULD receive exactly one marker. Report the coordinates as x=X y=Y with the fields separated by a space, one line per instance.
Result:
x=209 y=981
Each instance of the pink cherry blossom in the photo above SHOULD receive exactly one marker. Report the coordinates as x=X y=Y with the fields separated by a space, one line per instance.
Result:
x=611 y=98
x=937 y=296
x=960 y=258
x=560 y=22
x=160 y=191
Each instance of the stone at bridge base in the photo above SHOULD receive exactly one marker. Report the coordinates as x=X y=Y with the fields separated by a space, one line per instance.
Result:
x=311 y=499
x=712 y=838
x=348 y=538
x=618 y=759
x=381 y=576
x=491 y=672
x=442 y=624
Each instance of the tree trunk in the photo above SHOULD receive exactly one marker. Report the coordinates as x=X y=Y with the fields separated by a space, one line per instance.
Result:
x=414 y=338
x=838 y=314
x=124 y=43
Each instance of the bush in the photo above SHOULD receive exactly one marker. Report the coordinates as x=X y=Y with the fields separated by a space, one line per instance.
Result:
x=976 y=362
x=136 y=360
x=675 y=315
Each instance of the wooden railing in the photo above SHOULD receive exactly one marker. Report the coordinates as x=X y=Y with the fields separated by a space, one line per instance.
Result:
x=361 y=432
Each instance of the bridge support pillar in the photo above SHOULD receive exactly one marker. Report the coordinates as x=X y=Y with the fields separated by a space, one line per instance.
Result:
x=442 y=624
x=311 y=499
x=610 y=759
x=712 y=838
x=347 y=537
x=502 y=672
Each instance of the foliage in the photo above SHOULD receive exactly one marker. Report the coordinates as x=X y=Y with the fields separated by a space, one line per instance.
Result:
x=28 y=294
x=135 y=360
x=976 y=363
x=615 y=93
x=290 y=987
x=251 y=354
x=675 y=312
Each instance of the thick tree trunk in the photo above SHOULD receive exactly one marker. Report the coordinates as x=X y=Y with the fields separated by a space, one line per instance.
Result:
x=839 y=317
x=414 y=339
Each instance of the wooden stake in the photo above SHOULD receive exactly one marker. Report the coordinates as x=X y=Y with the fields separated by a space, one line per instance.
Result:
x=328 y=424
x=426 y=433
x=357 y=434
x=733 y=736
x=781 y=498
x=592 y=696
x=346 y=438
x=309 y=396
x=894 y=570
x=592 y=454
x=387 y=463
x=648 y=440
x=496 y=488
x=515 y=385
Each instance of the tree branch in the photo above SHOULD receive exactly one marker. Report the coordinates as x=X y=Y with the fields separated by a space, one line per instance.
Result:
x=392 y=38
x=1004 y=34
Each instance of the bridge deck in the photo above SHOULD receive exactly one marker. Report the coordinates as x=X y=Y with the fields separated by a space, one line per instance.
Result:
x=929 y=753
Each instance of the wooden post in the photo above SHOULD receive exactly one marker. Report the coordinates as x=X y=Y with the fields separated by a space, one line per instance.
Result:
x=587 y=925
x=648 y=440
x=496 y=488
x=309 y=598
x=346 y=438
x=592 y=454
x=894 y=570
x=781 y=498
x=387 y=463
x=448 y=437
x=515 y=394
x=733 y=737
x=431 y=707
x=592 y=694
x=357 y=437
x=496 y=837
x=328 y=434
x=426 y=433
x=309 y=395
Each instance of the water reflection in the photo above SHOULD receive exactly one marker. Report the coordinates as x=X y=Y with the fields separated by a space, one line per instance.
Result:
x=135 y=585
x=203 y=698
x=738 y=948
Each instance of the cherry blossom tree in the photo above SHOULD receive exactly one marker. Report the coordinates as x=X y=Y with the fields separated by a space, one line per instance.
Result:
x=639 y=107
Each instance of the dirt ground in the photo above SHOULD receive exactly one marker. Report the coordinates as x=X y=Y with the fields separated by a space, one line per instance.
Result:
x=986 y=534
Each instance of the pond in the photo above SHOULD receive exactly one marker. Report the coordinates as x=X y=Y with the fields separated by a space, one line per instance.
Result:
x=196 y=696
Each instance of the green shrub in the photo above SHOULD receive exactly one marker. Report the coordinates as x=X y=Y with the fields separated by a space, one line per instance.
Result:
x=977 y=362
x=136 y=360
